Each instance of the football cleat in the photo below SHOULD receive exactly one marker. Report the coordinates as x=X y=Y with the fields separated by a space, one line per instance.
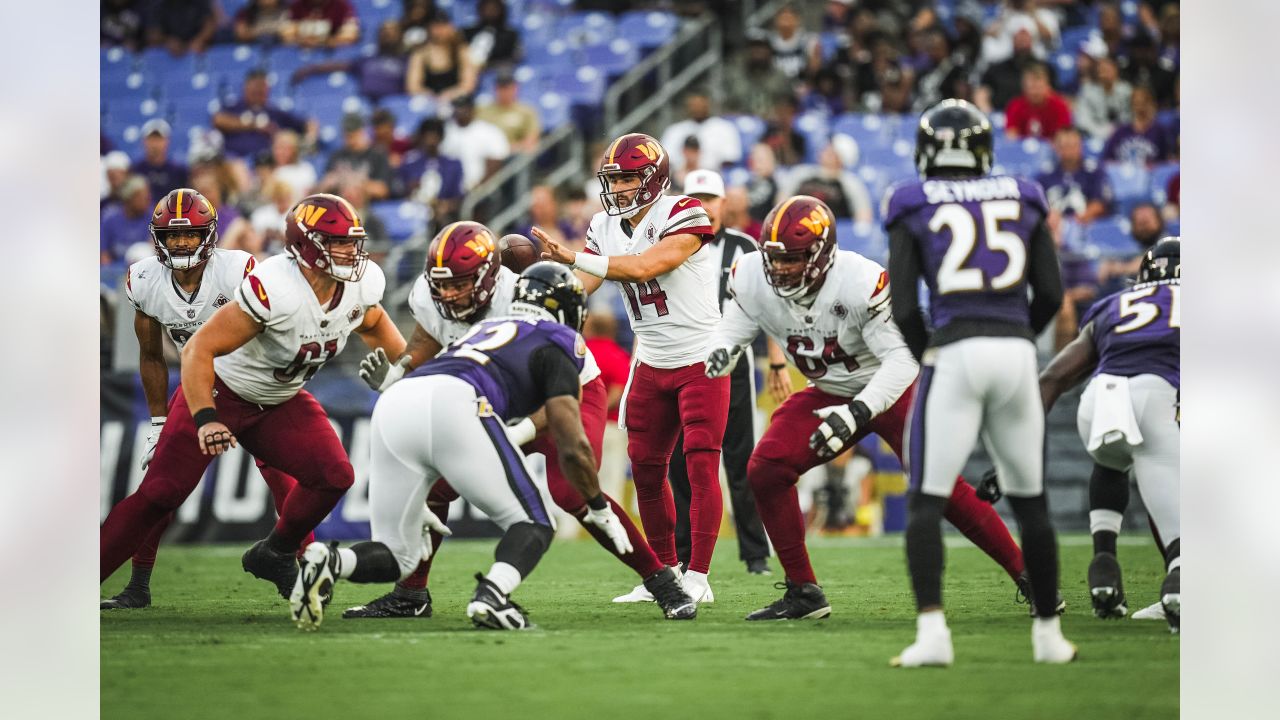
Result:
x=1106 y=587
x=489 y=608
x=1170 y=600
x=1150 y=612
x=932 y=649
x=800 y=602
x=392 y=605
x=313 y=589
x=639 y=593
x=1047 y=643
x=697 y=586
x=759 y=566
x=128 y=599
x=264 y=563
x=666 y=589
x=1025 y=595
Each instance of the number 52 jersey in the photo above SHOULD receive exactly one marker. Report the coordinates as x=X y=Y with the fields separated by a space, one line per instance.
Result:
x=299 y=334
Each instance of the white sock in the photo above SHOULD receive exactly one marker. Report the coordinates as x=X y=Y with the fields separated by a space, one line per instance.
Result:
x=700 y=578
x=1108 y=520
x=932 y=622
x=505 y=576
x=346 y=562
x=1046 y=625
x=1177 y=563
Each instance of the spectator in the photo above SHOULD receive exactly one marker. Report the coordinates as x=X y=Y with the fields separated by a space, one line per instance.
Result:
x=1143 y=141
x=261 y=21
x=234 y=231
x=967 y=36
x=182 y=26
x=1039 y=111
x=1144 y=66
x=125 y=224
x=290 y=169
x=753 y=83
x=378 y=75
x=358 y=162
x=943 y=76
x=736 y=213
x=115 y=171
x=493 y=41
x=355 y=193
x=788 y=145
x=162 y=175
x=1146 y=226
x=249 y=124
x=517 y=120
x=414 y=20
x=761 y=187
x=690 y=160
x=718 y=138
x=321 y=24
x=386 y=139
x=1170 y=38
x=121 y=24
x=1003 y=80
x=544 y=212
x=1019 y=15
x=430 y=178
x=893 y=94
x=830 y=182
x=828 y=96
x=1079 y=282
x=1076 y=188
x=441 y=67
x=480 y=146
x=577 y=214
x=1111 y=28
x=1173 y=198
x=1104 y=103
x=795 y=52
x=269 y=219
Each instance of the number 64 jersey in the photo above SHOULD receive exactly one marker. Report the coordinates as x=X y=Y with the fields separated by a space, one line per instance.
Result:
x=299 y=334
x=846 y=342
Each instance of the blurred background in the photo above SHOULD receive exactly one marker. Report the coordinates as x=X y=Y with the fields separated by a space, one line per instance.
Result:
x=422 y=112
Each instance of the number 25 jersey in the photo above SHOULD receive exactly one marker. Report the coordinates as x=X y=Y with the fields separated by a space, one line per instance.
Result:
x=299 y=334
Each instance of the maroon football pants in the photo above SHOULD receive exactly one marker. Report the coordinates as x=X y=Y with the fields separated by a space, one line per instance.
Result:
x=783 y=454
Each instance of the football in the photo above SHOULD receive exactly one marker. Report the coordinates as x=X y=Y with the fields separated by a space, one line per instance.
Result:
x=518 y=252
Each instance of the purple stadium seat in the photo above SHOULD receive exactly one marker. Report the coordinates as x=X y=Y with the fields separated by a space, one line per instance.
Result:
x=612 y=58
x=1110 y=238
x=647 y=29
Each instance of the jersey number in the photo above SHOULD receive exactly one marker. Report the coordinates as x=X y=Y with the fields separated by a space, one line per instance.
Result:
x=494 y=337
x=645 y=293
x=816 y=367
x=1145 y=313
x=310 y=357
x=180 y=337
x=953 y=276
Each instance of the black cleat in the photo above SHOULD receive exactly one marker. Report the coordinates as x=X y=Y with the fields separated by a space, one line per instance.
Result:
x=1170 y=600
x=264 y=563
x=489 y=608
x=759 y=566
x=799 y=602
x=128 y=599
x=670 y=595
x=392 y=605
x=1025 y=595
x=1106 y=587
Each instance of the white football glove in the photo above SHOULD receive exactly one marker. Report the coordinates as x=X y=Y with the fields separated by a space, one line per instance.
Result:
x=839 y=425
x=429 y=523
x=609 y=523
x=721 y=361
x=379 y=373
x=153 y=437
x=521 y=432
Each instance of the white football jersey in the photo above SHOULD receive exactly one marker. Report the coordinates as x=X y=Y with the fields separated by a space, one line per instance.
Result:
x=300 y=334
x=673 y=314
x=151 y=288
x=446 y=330
x=846 y=342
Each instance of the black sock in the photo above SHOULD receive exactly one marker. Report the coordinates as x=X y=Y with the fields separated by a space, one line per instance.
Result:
x=375 y=563
x=523 y=546
x=925 y=557
x=1104 y=541
x=1039 y=551
x=1172 y=552
x=140 y=578
x=280 y=545
x=418 y=594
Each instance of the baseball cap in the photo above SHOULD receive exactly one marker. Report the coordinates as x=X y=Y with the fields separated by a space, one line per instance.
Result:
x=704 y=182
x=155 y=125
x=116 y=160
x=352 y=122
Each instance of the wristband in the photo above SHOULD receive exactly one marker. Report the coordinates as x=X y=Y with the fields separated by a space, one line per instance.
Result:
x=861 y=413
x=522 y=432
x=158 y=419
x=597 y=265
x=204 y=416
x=598 y=502
x=777 y=366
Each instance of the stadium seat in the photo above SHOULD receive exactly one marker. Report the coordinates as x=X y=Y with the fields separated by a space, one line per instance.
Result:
x=114 y=58
x=1073 y=37
x=402 y=219
x=580 y=86
x=1110 y=238
x=612 y=58
x=125 y=85
x=866 y=239
x=1131 y=185
x=866 y=129
x=553 y=110
x=1068 y=74
x=409 y=111
x=536 y=30
x=750 y=128
x=337 y=83
x=1027 y=156
x=813 y=126
x=557 y=55
x=585 y=28
x=232 y=61
x=1160 y=177
x=647 y=29
x=829 y=43
x=373 y=13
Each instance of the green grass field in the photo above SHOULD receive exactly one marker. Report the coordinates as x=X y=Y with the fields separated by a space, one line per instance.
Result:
x=218 y=644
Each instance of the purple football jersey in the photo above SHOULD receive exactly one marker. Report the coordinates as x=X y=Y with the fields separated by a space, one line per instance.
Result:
x=1139 y=331
x=494 y=358
x=973 y=237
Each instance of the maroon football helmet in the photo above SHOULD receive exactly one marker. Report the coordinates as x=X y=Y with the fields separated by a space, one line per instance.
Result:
x=183 y=212
x=799 y=229
x=633 y=156
x=319 y=221
x=462 y=251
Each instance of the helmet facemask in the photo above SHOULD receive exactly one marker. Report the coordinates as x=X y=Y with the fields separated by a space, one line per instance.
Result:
x=640 y=195
x=794 y=284
x=442 y=276
x=199 y=253
x=327 y=261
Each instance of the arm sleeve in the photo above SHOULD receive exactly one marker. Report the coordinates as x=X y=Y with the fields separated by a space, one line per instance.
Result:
x=898 y=368
x=735 y=328
x=1044 y=277
x=904 y=273
x=557 y=371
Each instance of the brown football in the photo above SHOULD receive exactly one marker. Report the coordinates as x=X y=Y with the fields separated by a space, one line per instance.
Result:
x=518 y=252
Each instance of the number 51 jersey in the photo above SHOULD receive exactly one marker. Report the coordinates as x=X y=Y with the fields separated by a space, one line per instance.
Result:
x=299 y=334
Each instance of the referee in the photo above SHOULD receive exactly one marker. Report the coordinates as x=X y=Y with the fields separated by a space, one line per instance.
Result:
x=739 y=432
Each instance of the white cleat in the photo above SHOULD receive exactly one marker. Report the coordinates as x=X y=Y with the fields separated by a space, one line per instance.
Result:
x=931 y=650
x=697 y=587
x=314 y=587
x=1150 y=612
x=1047 y=643
x=638 y=594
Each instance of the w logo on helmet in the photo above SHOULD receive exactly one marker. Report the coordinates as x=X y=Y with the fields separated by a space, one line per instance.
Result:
x=481 y=244
x=649 y=150
x=817 y=222
x=309 y=214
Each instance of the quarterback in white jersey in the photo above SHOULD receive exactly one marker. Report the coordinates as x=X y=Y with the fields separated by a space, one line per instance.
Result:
x=463 y=284
x=242 y=380
x=829 y=310
x=649 y=244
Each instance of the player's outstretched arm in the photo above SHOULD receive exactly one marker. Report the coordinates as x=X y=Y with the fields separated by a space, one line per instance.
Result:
x=1068 y=368
x=578 y=462
x=377 y=331
x=662 y=258
x=735 y=330
x=590 y=283
x=228 y=329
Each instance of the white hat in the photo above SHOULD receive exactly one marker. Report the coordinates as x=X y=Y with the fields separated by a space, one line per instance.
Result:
x=155 y=125
x=116 y=160
x=704 y=182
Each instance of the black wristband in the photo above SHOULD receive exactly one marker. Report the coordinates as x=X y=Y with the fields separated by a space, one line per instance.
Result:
x=861 y=413
x=777 y=366
x=598 y=502
x=204 y=416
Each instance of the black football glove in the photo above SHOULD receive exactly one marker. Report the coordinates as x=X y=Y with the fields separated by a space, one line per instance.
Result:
x=839 y=424
x=988 y=489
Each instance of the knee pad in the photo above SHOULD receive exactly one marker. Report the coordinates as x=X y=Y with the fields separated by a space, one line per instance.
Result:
x=698 y=436
x=339 y=476
x=163 y=493
x=764 y=473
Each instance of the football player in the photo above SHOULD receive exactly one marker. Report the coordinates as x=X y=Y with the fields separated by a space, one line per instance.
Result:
x=446 y=418
x=979 y=241
x=463 y=284
x=649 y=244
x=175 y=292
x=242 y=378
x=1130 y=343
x=829 y=310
